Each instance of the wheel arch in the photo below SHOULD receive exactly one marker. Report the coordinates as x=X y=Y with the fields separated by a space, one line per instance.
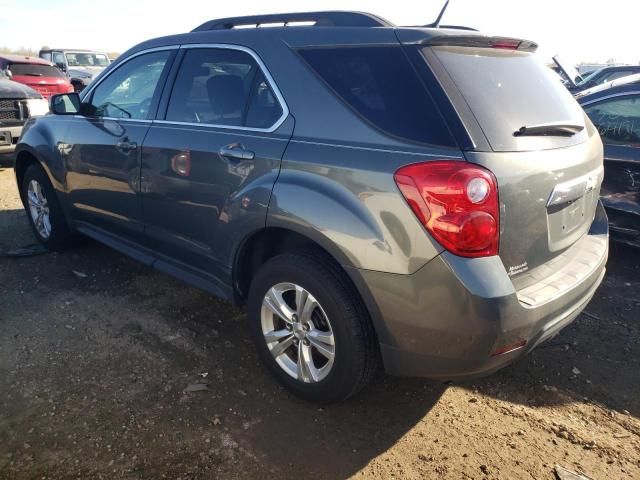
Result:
x=264 y=244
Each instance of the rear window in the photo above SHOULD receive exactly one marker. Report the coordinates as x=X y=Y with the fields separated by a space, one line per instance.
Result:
x=380 y=84
x=507 y=90
x=34 y=70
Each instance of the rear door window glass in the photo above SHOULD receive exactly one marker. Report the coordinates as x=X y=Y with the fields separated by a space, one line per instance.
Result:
x=617 y=120
x=380 y=84
x=226 y=87
x=506 y=90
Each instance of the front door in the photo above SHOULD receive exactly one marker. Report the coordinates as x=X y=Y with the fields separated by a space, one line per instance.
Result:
x=103 y=163
x=208 y=167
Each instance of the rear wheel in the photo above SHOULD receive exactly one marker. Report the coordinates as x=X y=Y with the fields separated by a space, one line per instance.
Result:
x=311 y=328
x=43 y=210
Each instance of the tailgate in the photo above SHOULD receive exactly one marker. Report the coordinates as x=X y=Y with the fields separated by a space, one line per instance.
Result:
x=530 y=132
x=548 y=200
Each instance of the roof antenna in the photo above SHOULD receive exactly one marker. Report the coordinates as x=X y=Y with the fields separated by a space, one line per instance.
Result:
x=436 y=24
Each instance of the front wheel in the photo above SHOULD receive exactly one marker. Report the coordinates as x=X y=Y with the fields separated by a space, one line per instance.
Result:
x=311 y=328
x=43 y=210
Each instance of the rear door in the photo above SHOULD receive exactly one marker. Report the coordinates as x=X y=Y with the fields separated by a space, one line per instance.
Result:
x=209 y=163
x=529 y=131
x=617 y=119
x=103 y=166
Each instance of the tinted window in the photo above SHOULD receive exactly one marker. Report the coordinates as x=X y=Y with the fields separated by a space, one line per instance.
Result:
x=264 y=109
x=617 y=120
x=33 y=70
x=613 y=75
x=222 y=87
x=506 y=90
x=129 y=90
x=380 y=84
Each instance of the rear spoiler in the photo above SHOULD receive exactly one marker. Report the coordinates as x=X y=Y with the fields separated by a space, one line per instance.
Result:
x=481 y=41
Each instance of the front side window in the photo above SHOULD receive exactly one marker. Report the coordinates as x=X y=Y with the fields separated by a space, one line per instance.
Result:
x=128 y=92
x=58 y=58
x=617 y=120
x=380 y=84
x=222 y=87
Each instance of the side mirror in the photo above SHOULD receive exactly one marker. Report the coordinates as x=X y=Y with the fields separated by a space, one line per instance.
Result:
x=61 y=66
x=9 y=73
x=65 y=104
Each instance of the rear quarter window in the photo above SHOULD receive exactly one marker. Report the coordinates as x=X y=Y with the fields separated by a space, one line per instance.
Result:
x=380 y=84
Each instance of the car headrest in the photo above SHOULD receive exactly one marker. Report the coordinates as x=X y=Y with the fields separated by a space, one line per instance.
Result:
x=226 y=93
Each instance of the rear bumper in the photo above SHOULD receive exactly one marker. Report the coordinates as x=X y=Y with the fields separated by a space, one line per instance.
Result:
x=446 y=320
x=15 y=133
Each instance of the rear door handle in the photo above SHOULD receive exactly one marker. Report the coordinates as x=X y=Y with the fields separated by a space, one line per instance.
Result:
x=237 y=152
x=126 y=146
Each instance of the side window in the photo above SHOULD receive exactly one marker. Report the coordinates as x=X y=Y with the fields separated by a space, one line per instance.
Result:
x=613 y=75
x=264 y=109
x=222 y=87
x=128 y=91
x=58 y=58
x=46 y=56
x=380 y=84
x=617 y=120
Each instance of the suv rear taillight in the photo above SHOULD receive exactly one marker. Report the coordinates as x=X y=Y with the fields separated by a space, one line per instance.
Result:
x=457 y=202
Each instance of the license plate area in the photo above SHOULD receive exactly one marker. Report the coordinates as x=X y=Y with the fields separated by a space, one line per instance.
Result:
x=5 y=138
x=568 y=221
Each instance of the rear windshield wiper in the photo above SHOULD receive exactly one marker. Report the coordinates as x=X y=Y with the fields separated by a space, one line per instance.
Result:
x=549 y=129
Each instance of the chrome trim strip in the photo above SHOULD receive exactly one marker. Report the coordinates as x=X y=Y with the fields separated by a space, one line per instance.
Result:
x=576 y=188
x=131 y=120
x=267 y=76
x=137 y=54
x=228 y=46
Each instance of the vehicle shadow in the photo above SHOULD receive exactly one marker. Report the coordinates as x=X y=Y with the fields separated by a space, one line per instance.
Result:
x=7 y=160
x=596 y=357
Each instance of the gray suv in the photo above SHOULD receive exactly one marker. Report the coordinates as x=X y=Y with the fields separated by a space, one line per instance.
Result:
x=421 y=198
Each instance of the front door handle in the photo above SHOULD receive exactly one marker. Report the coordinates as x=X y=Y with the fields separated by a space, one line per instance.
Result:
x=126 y=146
x=237 y=152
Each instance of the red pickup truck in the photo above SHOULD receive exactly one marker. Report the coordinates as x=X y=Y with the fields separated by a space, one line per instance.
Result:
x=36 y=73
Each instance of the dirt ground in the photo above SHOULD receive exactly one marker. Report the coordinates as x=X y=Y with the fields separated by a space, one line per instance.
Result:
x=99 y=356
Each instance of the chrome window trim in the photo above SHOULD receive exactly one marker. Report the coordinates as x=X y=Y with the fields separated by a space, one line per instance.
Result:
x=137 y=54
x=129 y=120
x=191 y=46
x=615 y=95
x=267 y=76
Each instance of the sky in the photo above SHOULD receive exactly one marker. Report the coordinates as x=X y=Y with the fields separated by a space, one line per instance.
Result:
x=580 y=31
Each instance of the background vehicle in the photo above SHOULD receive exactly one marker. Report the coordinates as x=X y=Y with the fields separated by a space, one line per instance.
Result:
x=614 y=108
x=80 y=65
x=442 y=221
x=577 y=82
x=36 y=73
x=17 y=103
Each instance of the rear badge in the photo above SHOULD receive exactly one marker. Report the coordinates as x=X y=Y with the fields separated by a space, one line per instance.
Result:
x=516 y=269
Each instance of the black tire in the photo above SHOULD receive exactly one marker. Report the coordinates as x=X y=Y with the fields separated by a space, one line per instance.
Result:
x=357 y=356
x=60 y=235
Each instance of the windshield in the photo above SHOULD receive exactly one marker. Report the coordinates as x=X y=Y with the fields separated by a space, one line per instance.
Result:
x=84 y=59
x=34 y=70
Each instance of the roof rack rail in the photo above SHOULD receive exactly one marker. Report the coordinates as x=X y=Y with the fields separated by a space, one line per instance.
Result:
x=319 y=19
